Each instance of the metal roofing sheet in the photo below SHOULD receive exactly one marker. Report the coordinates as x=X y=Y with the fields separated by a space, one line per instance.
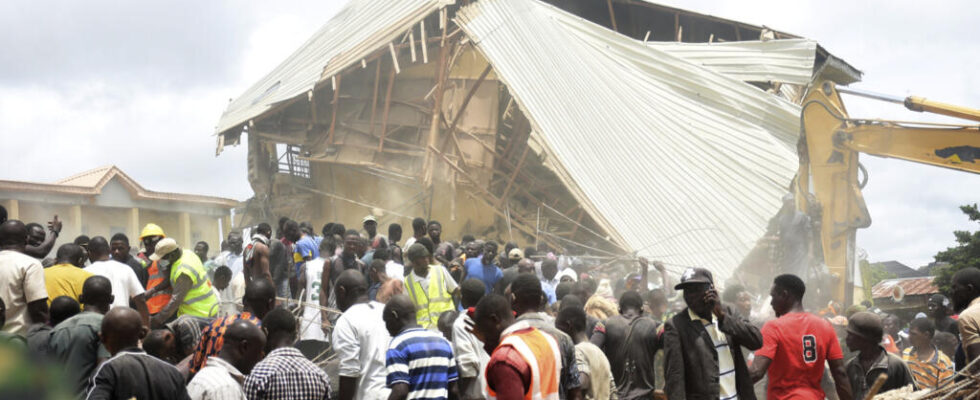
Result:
x=673 y=160
x=786 y=61
x=911 y=286
x=361 y=27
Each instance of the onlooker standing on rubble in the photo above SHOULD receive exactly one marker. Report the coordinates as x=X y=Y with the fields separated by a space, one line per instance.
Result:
x=930 y=367
x=702 y=344
x=864 y=334
x=796 y=346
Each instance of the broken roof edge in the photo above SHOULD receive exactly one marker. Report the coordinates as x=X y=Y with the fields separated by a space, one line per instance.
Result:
x=305 y=68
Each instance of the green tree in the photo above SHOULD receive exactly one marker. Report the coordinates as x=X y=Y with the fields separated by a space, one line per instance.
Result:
x=965 y=254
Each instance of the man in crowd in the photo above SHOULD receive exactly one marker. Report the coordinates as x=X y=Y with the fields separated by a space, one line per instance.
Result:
x=158 y=282
x=939 y=309
x=893 y=332
x=66 y=276
x=395 y=236
x=38 y=335
x=418 y=232
x=75 y=341
x=702 y=344
x=528 y=304
x=370 y=224
x=306 y=249
x=740 y=299
x=192 y=292
x=795 y=347
x=131 y=373
x=594 y=371
x=864 y=334
x=313 y=328
x=222 y=376
x=485 y=268
x=629 y=341
x=513 y=346
x=119 y=250
x=21 y=280
x=965 y=291
x=429 y=286
x=260 y=298
x=285 y=373
x=434 y=230
x=360 y=340
x=471 y=358
x=126 y=288
x=419 y=362
x=229 y=290
x=549 y=280
x=348 y=259
x=41 y=244
x=930 y=368
x=232 y=258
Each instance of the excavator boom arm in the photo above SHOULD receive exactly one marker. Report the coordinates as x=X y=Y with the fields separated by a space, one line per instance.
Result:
x=827 y=182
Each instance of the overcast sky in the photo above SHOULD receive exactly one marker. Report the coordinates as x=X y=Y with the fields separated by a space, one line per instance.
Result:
x=142 y=84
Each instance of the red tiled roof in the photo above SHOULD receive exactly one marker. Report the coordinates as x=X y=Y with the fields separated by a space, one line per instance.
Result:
x=912 y=286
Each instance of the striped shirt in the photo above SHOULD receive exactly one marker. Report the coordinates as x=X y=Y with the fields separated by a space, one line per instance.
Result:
x=424 y=361
x=929 y=374
x=726 y=365
x=218 y=380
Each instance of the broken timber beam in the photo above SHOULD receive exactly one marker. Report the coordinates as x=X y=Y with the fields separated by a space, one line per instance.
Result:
x=387 y=108
x=336 y=104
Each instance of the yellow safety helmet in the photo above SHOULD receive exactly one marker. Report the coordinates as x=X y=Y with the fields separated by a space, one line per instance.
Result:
x=152 y=229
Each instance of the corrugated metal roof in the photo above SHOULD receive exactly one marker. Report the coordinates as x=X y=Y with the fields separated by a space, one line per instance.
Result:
x=911 y=286
x=361 y=27
x=673 y=160
x=786 y=61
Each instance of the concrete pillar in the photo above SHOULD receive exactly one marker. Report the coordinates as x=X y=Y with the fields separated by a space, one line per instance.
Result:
x=75 y=219
x=185 y=231
x=133 y=224
x=13 y=208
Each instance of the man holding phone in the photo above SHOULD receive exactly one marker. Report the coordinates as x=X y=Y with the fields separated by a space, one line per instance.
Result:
x=702 y=355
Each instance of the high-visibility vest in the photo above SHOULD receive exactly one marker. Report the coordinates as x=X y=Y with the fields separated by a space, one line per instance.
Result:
x=429 y=304
x=156 y=303
x=540 y=351
x=201 y=301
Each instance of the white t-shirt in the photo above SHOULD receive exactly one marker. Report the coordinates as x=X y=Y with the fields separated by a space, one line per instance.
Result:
x=471 y=358
x=310 y=324
x=231 y=297
x=125 y=284
x=21 y=282
x=361 y=342
x=395 y=270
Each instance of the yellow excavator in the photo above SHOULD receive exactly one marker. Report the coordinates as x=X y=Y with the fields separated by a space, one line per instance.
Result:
x=828 y=188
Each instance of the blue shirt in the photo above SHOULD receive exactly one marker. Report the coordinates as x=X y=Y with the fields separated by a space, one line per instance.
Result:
x=305 y=247
x=423 y=360
x=489 y=274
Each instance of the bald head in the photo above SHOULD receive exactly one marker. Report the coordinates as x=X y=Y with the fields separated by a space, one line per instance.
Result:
x=243 y=345
x=162 y=344
x=70 y=253
x=13 y=234
x=98 y=249
x=96 y=294
x=351 y=287
x=122 y=328
x=260 y=297
x=399 y=313
x=62 y=308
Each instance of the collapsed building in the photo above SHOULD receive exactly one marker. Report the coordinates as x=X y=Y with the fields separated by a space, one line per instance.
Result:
x=610 y=128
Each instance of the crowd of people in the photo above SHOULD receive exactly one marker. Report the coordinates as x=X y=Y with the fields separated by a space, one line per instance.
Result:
x=439 y=319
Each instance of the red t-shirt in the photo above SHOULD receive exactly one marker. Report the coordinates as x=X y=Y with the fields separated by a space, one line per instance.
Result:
x=798 y=344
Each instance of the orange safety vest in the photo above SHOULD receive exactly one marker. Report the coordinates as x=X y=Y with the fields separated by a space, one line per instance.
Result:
x=541 y=353
x=156 y=303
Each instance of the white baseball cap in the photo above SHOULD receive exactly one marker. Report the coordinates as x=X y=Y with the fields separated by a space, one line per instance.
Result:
x=164 y=246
